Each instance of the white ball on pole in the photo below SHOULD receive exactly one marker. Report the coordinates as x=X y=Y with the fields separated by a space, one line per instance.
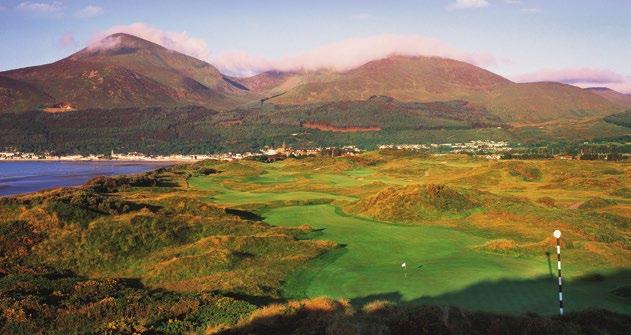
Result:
x=557 y=233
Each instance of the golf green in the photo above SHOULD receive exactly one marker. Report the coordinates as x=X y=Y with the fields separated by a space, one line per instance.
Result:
x=441 y=267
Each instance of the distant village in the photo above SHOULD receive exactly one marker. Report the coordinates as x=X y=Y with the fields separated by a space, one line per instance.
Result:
x=266 y=154
x=480 y=148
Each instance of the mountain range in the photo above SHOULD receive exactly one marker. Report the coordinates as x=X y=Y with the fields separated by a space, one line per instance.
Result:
x=127 y=72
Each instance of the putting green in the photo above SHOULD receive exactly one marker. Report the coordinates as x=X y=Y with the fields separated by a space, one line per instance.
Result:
x=441 y=267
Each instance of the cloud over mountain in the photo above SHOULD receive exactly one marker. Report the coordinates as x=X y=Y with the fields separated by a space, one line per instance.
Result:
x=178 y=41
x=340 y=56
x=583 y=77
x=572 y=76
x=348 y=54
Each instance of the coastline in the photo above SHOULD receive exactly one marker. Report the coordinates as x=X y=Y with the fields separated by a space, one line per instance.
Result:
x=20 y=177
x=50 y=160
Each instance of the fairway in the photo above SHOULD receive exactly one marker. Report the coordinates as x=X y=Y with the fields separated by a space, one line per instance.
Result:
x=228 y=196
x=369 y=267
x=438 y=260
x=445 y=264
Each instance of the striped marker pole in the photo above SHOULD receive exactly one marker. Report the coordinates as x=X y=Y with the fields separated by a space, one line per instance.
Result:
x=557 y=234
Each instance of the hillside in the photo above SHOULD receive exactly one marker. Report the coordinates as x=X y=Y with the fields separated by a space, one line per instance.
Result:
x=16 y=94
x=611 y=95
x=438 y=79
x=132 y=72
x=370 y=122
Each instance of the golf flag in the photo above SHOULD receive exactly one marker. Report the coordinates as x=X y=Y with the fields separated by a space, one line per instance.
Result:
x=404 y=265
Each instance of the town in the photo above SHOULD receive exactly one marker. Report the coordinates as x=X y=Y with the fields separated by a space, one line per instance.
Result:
x=480 y=148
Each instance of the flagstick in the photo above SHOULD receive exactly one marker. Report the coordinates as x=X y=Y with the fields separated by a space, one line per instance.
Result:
x=557 y=234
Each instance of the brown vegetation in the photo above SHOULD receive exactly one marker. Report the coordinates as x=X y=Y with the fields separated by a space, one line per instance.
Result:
x=348 y=129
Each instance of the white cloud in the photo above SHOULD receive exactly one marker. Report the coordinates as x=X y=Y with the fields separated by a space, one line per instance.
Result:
x=103 y=42
x=89 y=11
x=348 y=54
x=467 y=4
x=582 y=77
x=178 y=41
x=573 y=76
x=40 y=7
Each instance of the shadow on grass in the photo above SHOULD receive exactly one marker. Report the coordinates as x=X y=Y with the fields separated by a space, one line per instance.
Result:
x=496 y=307
x=539 y=295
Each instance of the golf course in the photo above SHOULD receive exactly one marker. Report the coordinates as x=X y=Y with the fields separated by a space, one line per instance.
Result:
x=388 y=239
x=479 y=236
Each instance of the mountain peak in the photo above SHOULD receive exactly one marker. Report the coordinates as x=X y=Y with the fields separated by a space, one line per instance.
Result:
x=119 y=43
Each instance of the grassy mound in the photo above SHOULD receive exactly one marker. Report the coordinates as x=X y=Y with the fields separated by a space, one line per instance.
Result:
x=415 y=203
x=326 y=316
x=525 y=171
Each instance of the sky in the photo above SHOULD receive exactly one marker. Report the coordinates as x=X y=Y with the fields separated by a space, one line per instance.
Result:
x=580 y=42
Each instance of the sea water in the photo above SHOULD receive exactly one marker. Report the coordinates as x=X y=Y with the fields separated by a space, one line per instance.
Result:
x=29 y=176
